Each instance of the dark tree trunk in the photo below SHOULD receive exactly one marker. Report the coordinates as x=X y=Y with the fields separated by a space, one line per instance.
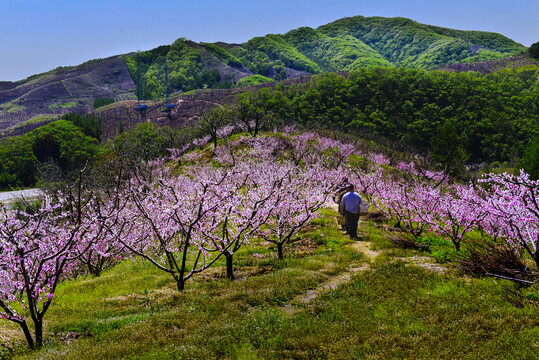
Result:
x=180 y=284
x=28 y=335
x=39 y=333
x=229 y=266
x=280 y=250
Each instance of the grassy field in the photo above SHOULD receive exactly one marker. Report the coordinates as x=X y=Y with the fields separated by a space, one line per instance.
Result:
x=384 y=303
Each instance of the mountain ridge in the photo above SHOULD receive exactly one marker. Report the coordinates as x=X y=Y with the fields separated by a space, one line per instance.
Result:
x=343 y=45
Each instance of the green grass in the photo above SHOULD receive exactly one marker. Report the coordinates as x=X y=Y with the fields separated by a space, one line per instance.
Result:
x=12 y=107
x=36 y=120
x=393 y=310
x=253 y=80
x=66 y=105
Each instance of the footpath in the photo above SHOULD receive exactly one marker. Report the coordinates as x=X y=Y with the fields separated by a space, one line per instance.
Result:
x=365 y=247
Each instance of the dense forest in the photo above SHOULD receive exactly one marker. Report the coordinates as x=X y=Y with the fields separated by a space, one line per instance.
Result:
x=345 y=45
x=54 y=151
x=58 y=151
x=455 y=118
x=492 y=117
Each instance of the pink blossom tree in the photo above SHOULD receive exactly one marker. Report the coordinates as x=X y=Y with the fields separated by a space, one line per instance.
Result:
x=299 y=197
x=186 y=222
x=38 y=251
x=514 y=201
x=335 y=153
x=238 y=218
x=459 y=211
x=169 y=213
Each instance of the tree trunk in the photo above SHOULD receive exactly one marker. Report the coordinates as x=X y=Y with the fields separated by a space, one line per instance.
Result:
x=180 y=284
x=229 y=266
x=280 y=250
x=39 y=332
x=27 y=333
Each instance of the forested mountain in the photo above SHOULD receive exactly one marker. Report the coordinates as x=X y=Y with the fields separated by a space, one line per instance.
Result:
x=406 y=43
x=344 y=45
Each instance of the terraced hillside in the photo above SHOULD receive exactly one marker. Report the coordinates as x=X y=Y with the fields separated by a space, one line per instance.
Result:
x=65 y=89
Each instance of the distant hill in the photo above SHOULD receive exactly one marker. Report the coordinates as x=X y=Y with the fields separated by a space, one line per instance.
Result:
x=65 y=89
x=341 y=46
x=344 y=45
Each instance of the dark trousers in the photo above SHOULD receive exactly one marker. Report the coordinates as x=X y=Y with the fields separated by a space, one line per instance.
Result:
x=351 y=223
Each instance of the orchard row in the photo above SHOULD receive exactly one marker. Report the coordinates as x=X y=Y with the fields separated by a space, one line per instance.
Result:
x=195 y=207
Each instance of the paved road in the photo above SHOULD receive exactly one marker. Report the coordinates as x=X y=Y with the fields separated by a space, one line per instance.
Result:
x=8 y=197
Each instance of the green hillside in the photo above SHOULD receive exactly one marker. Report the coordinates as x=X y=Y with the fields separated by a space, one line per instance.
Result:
x=344 y=53
x=344 y=45
x=406 y=43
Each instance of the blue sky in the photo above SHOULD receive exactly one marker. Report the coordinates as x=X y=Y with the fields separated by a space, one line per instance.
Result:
x=40 y=35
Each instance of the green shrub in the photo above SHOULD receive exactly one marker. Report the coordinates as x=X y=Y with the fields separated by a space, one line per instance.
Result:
x=253 y=80
x=100 y=102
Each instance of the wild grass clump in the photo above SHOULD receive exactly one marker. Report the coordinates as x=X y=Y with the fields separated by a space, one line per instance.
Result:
x=407 y=243
x=487 y=257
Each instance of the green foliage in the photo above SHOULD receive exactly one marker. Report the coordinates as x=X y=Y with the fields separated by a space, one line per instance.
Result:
x=143 y=143
x=344 y=45
x=256 y=110
x=530 y=159
x=404 y=42
x=447 y=150
x=60 y=142
x=140 y=63
x=100 y=102
x=492 y=117
x=18 y=164
x=483 y=55
x=276 y=48
x=89 y=124
x=335 y=53
x=253 y=80
x=67 y=105
x=182 y=62
x=533 y=50
x=64 y=143
x=223 y=55
x=134 y=150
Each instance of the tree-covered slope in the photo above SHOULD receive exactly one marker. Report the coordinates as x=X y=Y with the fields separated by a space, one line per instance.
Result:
x=406 y=43
x=344 y=45
x=344 y=53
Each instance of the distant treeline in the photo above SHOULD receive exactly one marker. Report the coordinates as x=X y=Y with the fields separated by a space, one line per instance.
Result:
x=456 y=117
x=58 y=151
x=55 y=150
x=490 y=117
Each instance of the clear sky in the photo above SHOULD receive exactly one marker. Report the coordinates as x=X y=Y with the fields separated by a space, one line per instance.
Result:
x=40 y=35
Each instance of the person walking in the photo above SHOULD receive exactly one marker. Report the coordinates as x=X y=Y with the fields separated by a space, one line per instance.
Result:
x=350 y=207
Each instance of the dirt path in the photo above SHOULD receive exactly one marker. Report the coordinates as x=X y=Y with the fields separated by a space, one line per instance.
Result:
x=302 y=300
x=333 y=283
